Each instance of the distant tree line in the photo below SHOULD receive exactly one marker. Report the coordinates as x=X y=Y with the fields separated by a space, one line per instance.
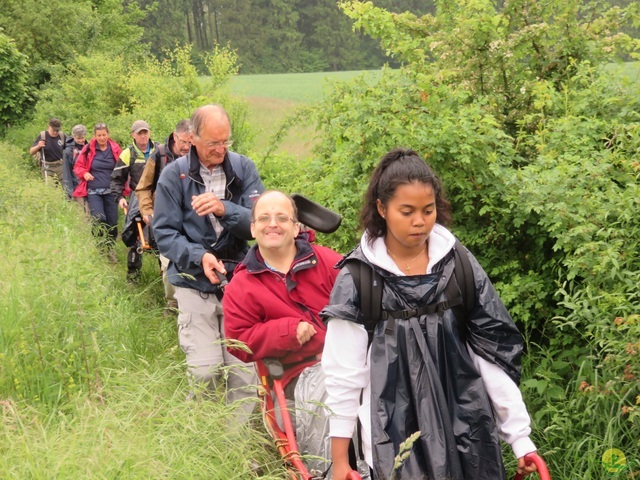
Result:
x=276 y=36
x=270 y=36
x=40 y=40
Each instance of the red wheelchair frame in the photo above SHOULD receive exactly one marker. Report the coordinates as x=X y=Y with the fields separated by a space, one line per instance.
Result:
x=270 y=373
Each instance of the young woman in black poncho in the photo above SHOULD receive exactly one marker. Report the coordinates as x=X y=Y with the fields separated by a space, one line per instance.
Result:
x=455 y=384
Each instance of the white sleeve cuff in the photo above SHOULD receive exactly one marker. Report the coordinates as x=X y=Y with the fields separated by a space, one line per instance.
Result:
x=522 y=446
x=341 y=427
x=344 y=362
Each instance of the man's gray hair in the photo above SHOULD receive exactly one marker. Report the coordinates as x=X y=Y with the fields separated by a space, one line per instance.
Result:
x=199 y=116
x=183 y=126
x=79 y=131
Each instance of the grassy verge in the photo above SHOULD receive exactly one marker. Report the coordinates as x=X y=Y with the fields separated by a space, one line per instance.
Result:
x=92 y=382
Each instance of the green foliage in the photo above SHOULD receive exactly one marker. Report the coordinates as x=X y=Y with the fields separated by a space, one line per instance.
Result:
x=537 y=144
x=54 y=340
x=222 y=64
x=54 y=34
x=110 y=88
x=500 y=55
x=14 y=89
x=163 y=24
x=270 y=37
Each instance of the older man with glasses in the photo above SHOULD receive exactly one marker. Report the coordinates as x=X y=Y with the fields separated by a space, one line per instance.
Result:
x=202 y=224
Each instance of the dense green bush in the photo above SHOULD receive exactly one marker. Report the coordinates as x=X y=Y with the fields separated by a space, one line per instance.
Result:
x=110 y=88
x=14 y=90
x=54 y=34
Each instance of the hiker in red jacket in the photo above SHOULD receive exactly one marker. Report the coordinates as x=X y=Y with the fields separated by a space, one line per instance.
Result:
x=290 y=281
x=93 y=167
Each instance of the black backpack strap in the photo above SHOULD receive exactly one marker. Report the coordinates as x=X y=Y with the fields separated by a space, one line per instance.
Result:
x=236 y=164
x=464 y=277
x=463 y=274
x=162 y=150
x=368 y=284
x=160 y=164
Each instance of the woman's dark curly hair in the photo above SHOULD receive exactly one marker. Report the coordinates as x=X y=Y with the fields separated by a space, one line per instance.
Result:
x=399 y=167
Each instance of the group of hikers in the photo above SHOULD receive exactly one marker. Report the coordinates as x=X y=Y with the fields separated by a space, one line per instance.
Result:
x=396 y=353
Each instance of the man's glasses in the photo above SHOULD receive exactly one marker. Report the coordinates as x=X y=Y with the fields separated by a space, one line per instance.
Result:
x=223 y=143
x=280 y=219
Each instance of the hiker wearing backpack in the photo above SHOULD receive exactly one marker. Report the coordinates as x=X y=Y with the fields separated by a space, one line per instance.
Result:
x=202 y=225
x=128 y=171
x=406 y=353
x=48 y=148
x=176 y=145
x=93 y=167
x=74 y=145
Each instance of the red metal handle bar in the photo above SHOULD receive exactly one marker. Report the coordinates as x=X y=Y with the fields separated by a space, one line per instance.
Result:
x=543 y=471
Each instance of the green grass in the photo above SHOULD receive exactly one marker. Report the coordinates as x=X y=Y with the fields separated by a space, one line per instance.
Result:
x=295 y=87
x=631 y=70
x=92 y=381
x=272 y=98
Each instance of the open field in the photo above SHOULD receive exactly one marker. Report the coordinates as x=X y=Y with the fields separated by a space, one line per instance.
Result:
x=295 y=87
x=631 y=70
x=266 y=114
x=272 y=97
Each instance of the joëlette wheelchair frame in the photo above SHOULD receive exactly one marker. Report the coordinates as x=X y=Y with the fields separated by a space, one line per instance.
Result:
x=543 y=471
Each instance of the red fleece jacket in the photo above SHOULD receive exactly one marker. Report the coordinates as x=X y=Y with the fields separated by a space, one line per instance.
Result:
x=262 y=308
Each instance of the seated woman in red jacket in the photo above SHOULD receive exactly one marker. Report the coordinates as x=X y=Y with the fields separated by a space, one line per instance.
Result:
x=273 y=300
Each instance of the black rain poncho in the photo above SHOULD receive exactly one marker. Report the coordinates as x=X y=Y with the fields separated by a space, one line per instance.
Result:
x=423 y=378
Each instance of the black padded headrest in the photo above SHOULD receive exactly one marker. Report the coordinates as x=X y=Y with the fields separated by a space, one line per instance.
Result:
x=315 y=215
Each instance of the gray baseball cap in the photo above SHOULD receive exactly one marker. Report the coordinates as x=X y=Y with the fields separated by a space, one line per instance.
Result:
x=139 y=125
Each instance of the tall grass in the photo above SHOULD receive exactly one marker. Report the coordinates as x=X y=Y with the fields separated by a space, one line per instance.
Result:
x=92 y=383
